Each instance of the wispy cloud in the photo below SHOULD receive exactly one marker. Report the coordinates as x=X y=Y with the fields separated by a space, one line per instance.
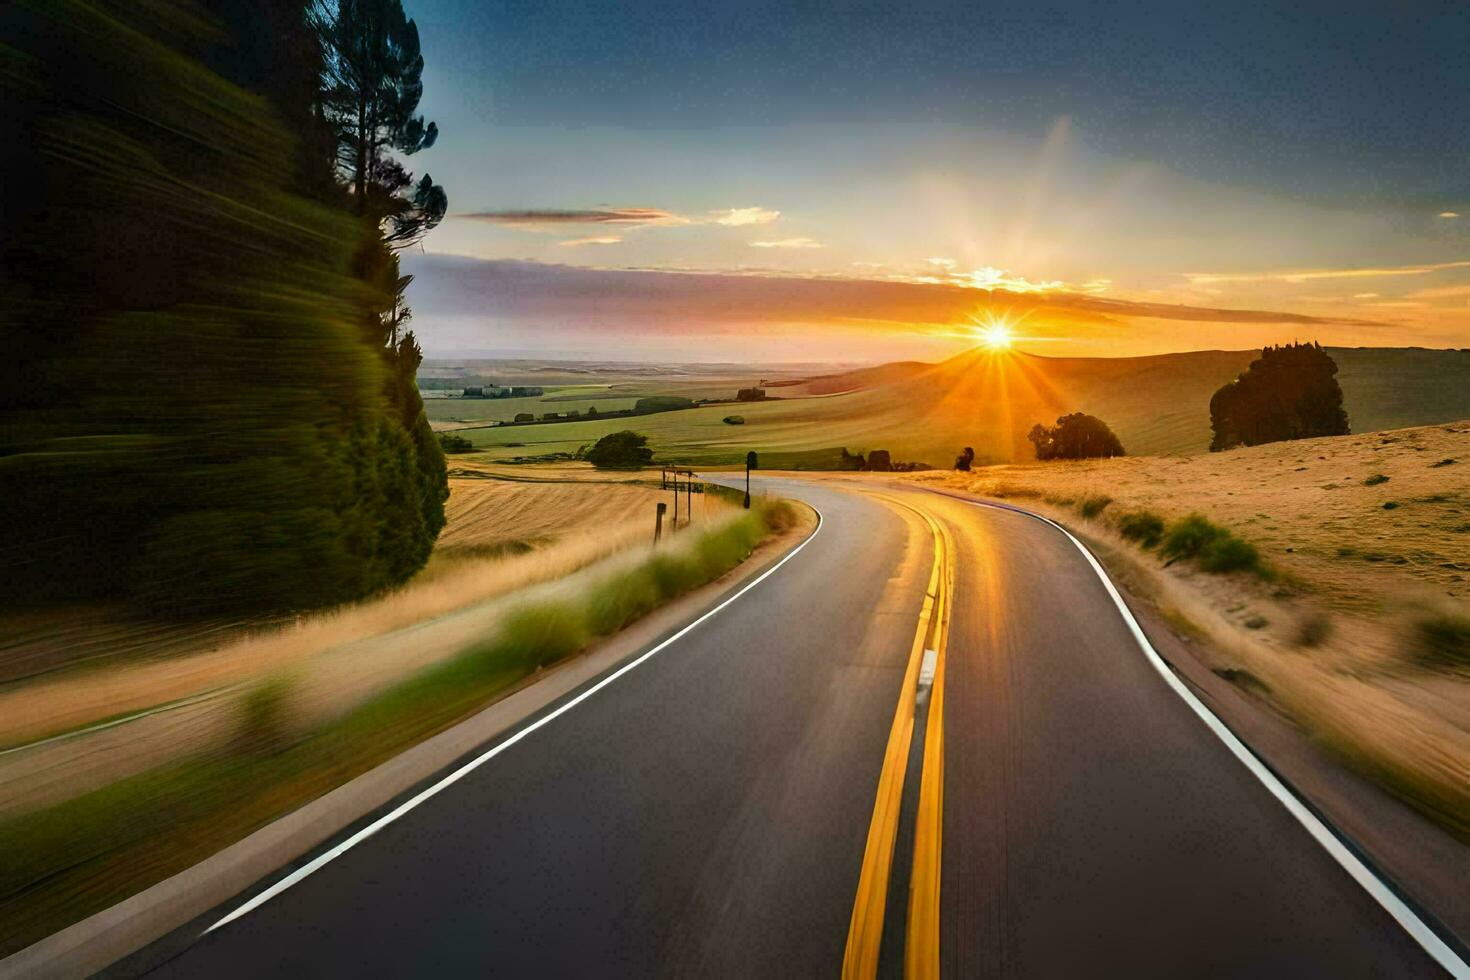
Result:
x=536 y=220
x=595 y=240
x=791 y=243
x=642 y=298
x=991 y=278
x=1449 y=214
x=745 y=216
x=1308 y=275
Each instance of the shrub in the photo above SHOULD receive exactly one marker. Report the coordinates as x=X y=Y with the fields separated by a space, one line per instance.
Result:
x=1214 y=547
x=1094 y=504
x=452 y=443
x=1443 y=641
x=1143 y=526
x=1188 y=536
x=1375 y=480
x=543 y=633
x=1227 y=553
x=620 y=451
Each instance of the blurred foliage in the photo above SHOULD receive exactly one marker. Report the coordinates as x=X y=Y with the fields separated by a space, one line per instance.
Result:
x=205 y=400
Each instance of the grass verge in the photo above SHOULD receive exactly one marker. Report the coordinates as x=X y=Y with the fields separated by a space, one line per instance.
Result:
x=65 y=862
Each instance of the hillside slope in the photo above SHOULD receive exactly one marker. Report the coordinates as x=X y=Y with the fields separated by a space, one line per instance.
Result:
x=1158 y=405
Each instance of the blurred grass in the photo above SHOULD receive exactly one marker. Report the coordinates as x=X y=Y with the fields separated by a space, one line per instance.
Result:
x=65 y=862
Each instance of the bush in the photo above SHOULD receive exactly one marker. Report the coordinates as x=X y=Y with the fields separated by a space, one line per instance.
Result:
x=1215 y=547
x=451 y=443
x=1188 y=536
x=1094 y=504
x=542 y=634
x=1143 y=526
x=1227 y=553
x=1075 y=436
x=1443 y=641
x=620 y=451
x=1375 y=480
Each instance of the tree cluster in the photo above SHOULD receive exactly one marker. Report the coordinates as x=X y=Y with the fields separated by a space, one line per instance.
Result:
x=1289 y=392
x=1075 y=436
x=208 y=397
x=965 y=460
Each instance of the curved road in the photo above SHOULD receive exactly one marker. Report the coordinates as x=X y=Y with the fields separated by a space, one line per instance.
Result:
x=707 y=813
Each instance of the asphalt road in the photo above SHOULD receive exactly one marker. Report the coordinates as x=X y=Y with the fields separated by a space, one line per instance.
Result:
x=706 y=814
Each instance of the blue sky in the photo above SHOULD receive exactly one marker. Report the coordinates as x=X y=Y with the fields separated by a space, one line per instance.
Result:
x=1146 y=152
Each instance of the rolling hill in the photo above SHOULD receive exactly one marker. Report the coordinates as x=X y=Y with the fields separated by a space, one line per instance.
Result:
x=927 y=412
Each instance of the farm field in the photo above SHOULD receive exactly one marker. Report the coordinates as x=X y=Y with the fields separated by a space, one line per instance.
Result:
x=927 y=412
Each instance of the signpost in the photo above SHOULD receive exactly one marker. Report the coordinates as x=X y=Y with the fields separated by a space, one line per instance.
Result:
x=750 y=464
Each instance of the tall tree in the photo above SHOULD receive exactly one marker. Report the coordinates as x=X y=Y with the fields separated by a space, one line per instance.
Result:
x=373 y=83
x=1289 y=392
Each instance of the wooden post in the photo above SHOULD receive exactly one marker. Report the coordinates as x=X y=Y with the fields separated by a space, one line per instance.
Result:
x=689 y=497
x=658 y=522
x=675 y=525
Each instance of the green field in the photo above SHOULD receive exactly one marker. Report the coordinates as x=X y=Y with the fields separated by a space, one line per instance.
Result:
x=1157 y=405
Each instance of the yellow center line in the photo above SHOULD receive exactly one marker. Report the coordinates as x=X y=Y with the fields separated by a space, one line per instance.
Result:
x=921 y=946
x=865 y=930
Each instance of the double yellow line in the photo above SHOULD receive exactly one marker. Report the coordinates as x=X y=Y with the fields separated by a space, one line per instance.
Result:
x=865 y=930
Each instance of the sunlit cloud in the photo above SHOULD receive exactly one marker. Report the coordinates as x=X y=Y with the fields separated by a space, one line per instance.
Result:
x=1307 y=275
x=546 y=219
x=790 y=243
x=944 y=263
x=595 y=240
x=1449 y=214
x=745 y=216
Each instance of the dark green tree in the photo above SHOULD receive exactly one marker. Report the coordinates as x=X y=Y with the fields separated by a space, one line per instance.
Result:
x=620 y=451
x=374 y=83
x=1289 y=392
x=1075 y=436
x=198 y=409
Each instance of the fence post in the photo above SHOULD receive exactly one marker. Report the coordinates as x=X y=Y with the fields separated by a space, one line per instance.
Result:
x=675 y=525
x=658 y=522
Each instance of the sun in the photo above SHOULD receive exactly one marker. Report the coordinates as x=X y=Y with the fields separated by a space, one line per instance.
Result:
x=996 y=337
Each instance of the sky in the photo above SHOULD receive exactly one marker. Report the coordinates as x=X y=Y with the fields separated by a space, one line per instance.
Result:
x=857 y=182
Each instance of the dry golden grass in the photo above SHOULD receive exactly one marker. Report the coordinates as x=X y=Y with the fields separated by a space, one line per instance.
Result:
x=569 y=522
x=1312 y=507
x=1330 y=639
x=568 y=526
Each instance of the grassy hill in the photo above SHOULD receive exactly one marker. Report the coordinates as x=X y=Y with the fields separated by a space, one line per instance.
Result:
x=1157 y=405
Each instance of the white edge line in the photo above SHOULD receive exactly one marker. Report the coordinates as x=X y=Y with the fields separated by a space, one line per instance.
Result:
x=1385 y=896
x=326 y=857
